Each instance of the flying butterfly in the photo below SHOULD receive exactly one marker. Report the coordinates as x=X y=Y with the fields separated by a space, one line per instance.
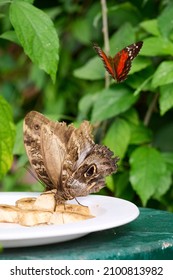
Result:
x=119 y=65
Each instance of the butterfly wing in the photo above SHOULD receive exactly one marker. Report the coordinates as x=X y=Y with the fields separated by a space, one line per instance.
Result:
x=108 y=61
x=123 y=60
x=119 y=66
x=92 y=163
x=53 y=150
x=79 y=144
x=32 y=127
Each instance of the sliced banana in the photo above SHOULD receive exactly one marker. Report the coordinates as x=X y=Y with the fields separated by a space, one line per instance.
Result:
x=31 y=211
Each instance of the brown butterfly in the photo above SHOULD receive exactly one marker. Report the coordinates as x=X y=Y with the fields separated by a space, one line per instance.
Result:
x=66 y=158
x=119 y=65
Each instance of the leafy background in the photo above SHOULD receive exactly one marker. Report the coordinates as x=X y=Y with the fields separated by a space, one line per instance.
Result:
x=48 y=64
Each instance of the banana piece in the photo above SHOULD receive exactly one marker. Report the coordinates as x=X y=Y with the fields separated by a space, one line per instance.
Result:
x=8 y=213
x=33 y=217
x=25 y=203
x=31 y=211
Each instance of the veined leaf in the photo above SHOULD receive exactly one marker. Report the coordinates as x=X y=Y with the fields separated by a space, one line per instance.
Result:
x=154 y=46
x=166 y=98
x=150 y=26
x=117 y=137
x=92 y=70
x=37 y=35
x=112 y=102
x=163 y=74
x=149 y=174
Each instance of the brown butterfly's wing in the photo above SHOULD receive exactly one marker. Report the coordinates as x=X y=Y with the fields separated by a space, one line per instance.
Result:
x=123 y=60
x=108 y=61
x=92 y=163
x=54 y=138
x=32 y=126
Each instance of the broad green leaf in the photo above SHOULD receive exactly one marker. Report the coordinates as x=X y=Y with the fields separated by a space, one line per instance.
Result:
x=163 y=74
x=148 y=174
x=139 y=64
x=122 y=38
x=140 y=134
x=7 y=135
x=150 y=26
x=112 y=102
x=131 y=116
x=154 y=46
x=37 y=35
x=165 y=22
x=166 y=98
x=11 y=36
x=117 y=137
x=92 y=70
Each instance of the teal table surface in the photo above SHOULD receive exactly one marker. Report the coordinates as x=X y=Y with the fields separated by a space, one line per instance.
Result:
x=150 y=236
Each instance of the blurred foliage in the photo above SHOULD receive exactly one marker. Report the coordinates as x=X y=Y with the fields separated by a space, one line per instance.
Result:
x=48 y=64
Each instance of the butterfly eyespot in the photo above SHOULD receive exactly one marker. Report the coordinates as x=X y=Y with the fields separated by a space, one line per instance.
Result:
x=90 y=171
x=36 y=126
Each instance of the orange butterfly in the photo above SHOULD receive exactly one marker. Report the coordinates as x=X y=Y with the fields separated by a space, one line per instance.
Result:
x=119 y=65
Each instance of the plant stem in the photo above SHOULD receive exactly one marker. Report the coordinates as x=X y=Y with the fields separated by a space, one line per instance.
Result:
x=105 y=36
x=150 y=109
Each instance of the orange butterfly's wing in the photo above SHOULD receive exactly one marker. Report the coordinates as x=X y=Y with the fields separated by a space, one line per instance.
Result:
x=119 y=66
x=108 y=61
x=123 y=60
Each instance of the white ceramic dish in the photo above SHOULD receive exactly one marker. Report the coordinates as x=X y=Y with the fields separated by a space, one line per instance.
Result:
x=109 y=212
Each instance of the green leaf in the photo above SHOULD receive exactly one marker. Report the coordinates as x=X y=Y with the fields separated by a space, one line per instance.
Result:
x=163 y=74
x=150 y=26
x=166 y=98
x=37 y=35
x=139 y=64
x=86 y=103
x=122 y=38
x=149 y=174
x=154 y=46
x=112 y=102
x=7 y=135
x=165 y=22
x=92 y=70
x=11 y=36
x=117 y=137
x=140 y=134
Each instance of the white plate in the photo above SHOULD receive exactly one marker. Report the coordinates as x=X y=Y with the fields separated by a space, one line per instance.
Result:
x=109 y=212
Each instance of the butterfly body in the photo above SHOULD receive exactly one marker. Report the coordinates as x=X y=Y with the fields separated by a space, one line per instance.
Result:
x=66 y=158
x=119 y=65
